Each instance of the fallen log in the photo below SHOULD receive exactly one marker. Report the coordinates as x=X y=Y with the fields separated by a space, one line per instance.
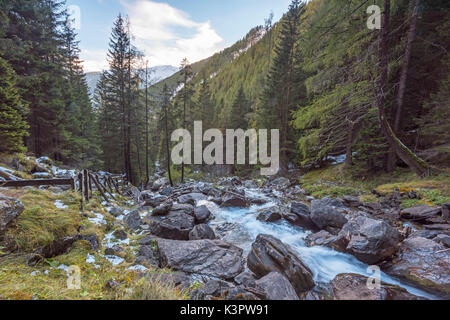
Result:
x=36 y=183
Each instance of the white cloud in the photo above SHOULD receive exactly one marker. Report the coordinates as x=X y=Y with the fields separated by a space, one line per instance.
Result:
x=94 y=60
x=167 y=34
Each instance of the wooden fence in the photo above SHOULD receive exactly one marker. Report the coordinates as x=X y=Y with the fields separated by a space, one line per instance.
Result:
x=85 y=183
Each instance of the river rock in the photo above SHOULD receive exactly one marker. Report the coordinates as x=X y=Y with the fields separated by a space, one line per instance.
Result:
x=148 y=255
x=281 y=182
x=270 y=254
x=326 y=239
x=446 y=211
x=443 y=239
x=422 y=262
x=166 y=191
x=420 y=213
x=213 y=258
x=116 y=211
x=184 y=208
x=214 y=288
x=202 y=231
x=133 y=220
x=247 y=279
x=269 y=215
x=154 y=201
x=351 y=201
x=300 y=215
x=120 y=234
x=277 y=287
x=234 y=201
x=10 y=209
x=324 y=213
x=191 y=198
x=370 y=240
x=202 y=214
x=176 y=225
x=350 y=286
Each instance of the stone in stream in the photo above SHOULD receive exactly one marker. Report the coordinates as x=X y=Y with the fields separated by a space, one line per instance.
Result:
x=276 y=287
x=175 y=225
x=371 y=241
x=10 y=209
x=202 y=231
x=324 y=213
x=300 y=215
x=326 y=239
x=269 y=254
x=269 y=215
x=202 y=214
x=214 y=258
x=350 y=286
x=191 y=198
x=424 y=263
x=232 y=201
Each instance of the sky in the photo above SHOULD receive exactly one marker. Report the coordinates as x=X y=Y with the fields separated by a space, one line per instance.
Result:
x=168 y=31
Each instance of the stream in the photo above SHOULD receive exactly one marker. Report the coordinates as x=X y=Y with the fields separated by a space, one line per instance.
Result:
x=324 y=262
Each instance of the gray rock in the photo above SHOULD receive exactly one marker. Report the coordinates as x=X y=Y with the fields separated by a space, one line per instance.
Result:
x=202 y=231
x=269 y=215
x=370 y=240
x=163 y=209
x=55 y=248
x=191 y=198
x=154 y=201
x=420 y=213
x=214 y=258
x=133 y=220
x=184 y=208
x=92 y=240
x=354 y=287
x=247 y=279
x=114 y=250
x=277 y=287
x=214 y=288
x=116 y=211
x=202 y=214
x=443 y=239
x=176 y=225
x=324 y=213
x=148 y=255
x=300 y=215
x=446 y=211
x=270 y=254
x=325 y=239
x=166 y=191
x=351 y=201
x=234 y=202
x=10 y=209
x=424 y=263
x=281 y=182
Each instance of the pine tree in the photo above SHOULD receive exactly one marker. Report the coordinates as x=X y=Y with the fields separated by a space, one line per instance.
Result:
x=13 y=127
x=186 y=76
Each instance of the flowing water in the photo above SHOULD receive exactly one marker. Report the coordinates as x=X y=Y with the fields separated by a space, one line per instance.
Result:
x=240 y=227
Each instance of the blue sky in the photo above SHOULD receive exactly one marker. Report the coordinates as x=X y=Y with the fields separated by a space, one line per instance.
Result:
x=169 y=30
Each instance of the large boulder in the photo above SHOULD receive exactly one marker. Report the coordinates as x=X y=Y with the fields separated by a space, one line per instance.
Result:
x=202 y=231
x=191 y=198
x=163 y=209
x=202 y=214
x=371 y=241
x=175 y=225
x=424 y=263
x=351 y=286
x=276 y=287
x=214 y=258
x=324 y=213
x=269 y=254
x=10 y=209
x=300 y=215
x=184 y=208
x=234 y=201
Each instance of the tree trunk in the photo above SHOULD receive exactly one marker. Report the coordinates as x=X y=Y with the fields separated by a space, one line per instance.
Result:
x=167 y=141
x=419 y=166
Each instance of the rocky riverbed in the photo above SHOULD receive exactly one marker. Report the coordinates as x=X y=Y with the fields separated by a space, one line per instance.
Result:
x=253 y=240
